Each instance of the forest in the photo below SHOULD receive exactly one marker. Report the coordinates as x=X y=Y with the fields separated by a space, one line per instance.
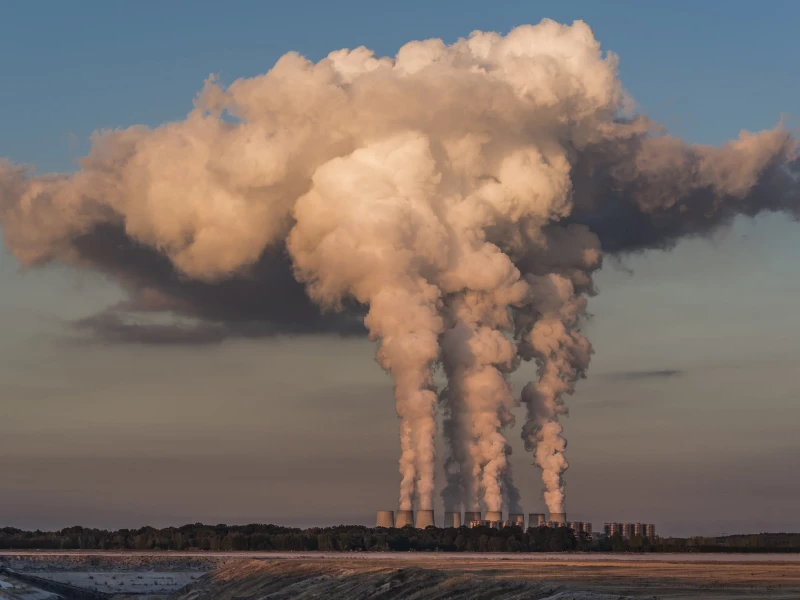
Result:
x=346 y=538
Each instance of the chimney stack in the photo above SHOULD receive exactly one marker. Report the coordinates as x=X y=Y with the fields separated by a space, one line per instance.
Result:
x=517 y=519
x=470 y=516
x=494 y=517
x=385 y=519
x=536 y=519
x=558 y=517
x=404 y=517
x=452 y=518
x=424 y=519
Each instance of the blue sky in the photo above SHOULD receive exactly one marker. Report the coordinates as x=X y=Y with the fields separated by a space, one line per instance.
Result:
x=123 y=436
x=705 y=69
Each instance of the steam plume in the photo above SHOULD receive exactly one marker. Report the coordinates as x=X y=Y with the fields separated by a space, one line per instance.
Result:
x=449 y=199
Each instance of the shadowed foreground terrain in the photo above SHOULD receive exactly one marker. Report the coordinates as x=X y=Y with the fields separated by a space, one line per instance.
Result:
x=284 y=580
x=97 y=575
x=421 y=579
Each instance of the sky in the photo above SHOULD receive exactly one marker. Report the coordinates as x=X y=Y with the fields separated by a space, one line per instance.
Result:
x=687 y=418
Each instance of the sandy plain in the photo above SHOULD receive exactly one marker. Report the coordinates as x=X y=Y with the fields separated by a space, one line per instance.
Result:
x=423 y=576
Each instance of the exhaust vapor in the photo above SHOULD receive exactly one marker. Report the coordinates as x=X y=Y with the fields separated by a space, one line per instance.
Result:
x=455 y=199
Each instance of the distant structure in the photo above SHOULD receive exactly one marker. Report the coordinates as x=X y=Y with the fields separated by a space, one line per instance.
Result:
x=385 y=519
x=628 y=530
x=517 y=519
x=452 y=519
x=494 y=519
x=494 y=515
x=404 y=517
x=554 y=524
x=536 y=519
x=581 y=527
x=424 y=519
x=487 y=523
x=471 y=516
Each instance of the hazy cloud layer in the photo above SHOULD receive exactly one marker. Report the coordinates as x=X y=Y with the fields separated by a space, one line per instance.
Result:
x=640 y=375
x=455 y=199
x=265 y=301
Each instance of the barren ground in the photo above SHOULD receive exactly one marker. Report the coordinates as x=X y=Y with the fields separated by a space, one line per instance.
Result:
x=458 y=578
x=427 y=576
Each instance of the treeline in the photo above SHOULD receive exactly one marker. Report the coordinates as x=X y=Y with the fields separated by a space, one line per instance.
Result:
x=756 y=542
x=265 y=538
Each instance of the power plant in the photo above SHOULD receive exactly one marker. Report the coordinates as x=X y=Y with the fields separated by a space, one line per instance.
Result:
x=580 y=527
x=628 y=530
x=494 y=519
x=385 y=519
x=452 y=519
x=424 y=519
x=518 y=519
x=536 y=519
x=404 y=517
x=471 y=516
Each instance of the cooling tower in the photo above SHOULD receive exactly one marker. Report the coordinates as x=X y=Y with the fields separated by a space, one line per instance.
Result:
x=424 y=519
x=494 y=515
x=536 y=519
x=558 y=517
x=385 y=518
x=404 y=517
x=517 y=519
x=452 y=519
x=471 y=516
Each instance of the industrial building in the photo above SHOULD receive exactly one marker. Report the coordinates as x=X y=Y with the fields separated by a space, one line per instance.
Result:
x=404 y=517
x=628 y=530
x=385 y=519
x=581 y=527
x=494 y=519
x=536 y=519
x=517 y=519
x=452 y=519
x=424 y=519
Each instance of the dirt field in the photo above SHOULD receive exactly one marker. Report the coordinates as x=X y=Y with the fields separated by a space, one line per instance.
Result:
x=436 y=576
x=508 y=579
x=670 y=579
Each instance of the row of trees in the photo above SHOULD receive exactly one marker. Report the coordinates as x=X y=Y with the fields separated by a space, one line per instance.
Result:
x=758 y=542
x=364 y=539
x=275 y=538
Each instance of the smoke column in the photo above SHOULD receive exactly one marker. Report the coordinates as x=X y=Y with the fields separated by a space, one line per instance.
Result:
x=477 y=356
x=358 y=227
x=454 y=201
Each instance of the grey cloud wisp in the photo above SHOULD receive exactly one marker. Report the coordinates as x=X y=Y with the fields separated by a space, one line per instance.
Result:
x=643 y=375
x=454 y=200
